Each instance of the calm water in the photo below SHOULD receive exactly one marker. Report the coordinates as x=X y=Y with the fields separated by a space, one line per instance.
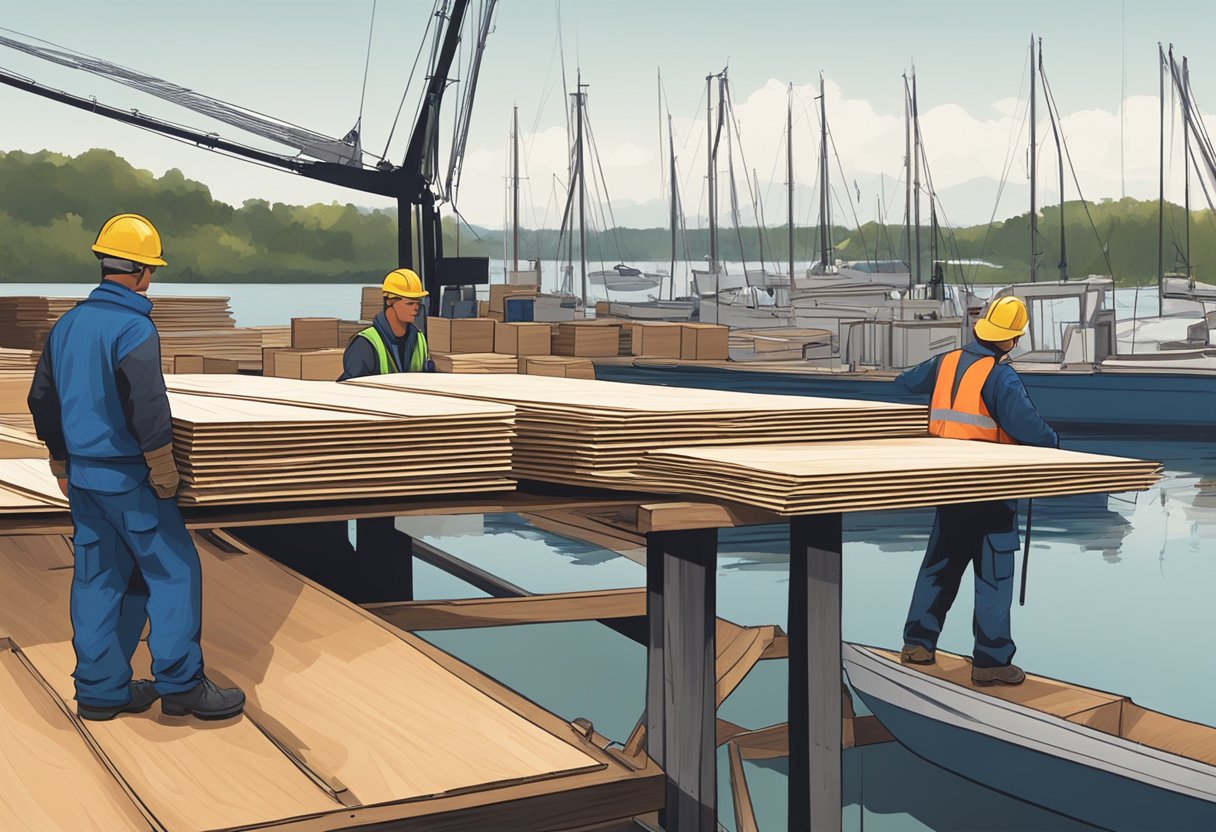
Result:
x=1119 y=598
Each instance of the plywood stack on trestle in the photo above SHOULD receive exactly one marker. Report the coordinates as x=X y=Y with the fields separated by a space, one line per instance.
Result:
x=586 y=432
x=244 y=439
x=475 y=362
x=27 y=486
x=822 y=477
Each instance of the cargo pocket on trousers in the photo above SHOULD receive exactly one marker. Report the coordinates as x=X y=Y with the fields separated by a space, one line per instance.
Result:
x=141 y=526
x=996 y=564
x=86 y=555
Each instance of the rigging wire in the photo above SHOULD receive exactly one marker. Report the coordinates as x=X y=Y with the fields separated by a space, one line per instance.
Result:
x=410 y=79
x=371 y=27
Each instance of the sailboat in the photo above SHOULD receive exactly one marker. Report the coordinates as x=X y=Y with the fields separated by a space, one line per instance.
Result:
x=620 y=278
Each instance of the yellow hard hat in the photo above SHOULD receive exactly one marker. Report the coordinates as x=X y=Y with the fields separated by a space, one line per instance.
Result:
x=1004 y=318
x=130 y=237
x=404 y=283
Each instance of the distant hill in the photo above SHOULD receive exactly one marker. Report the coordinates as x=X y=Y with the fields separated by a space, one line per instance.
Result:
x=51 y=206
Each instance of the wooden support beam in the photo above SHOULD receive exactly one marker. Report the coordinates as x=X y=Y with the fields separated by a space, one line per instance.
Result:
x=677 y=516
x=745 y=814
x=680 y=686
x=815 y=674
x=530 y=609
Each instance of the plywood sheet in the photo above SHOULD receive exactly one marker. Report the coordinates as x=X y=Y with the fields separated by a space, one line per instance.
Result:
x=305 y=658
x=190 y=776
x=53 y=780
x=28 y=485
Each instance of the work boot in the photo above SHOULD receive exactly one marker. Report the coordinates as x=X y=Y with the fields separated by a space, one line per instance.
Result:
x=915 y=654
x=143 y=694
x=206 y=700
x=1009 y=674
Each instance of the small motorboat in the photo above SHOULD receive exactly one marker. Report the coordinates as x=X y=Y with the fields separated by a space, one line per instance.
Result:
x=1094 y=756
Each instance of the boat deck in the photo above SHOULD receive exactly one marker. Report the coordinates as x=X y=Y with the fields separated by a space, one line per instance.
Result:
x=1107 y=712
x=349 y=721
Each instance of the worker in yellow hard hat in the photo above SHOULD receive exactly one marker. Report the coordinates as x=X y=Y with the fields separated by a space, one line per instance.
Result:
x=99 y=403
x=976 y=395
x=393 y=343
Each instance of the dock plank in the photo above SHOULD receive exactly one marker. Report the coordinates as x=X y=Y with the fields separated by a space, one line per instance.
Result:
x=63 y=783
x=189 y=775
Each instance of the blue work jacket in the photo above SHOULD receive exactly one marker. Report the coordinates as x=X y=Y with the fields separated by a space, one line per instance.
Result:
x=98 y=396
x=1003 y=393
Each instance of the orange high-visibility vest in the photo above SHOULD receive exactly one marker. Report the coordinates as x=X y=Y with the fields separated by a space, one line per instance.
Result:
x=963 y=415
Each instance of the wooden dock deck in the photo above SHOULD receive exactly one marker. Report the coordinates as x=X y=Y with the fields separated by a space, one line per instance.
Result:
x=350 y=722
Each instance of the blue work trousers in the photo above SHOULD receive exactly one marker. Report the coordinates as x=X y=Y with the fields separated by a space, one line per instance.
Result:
x=985 y=536
x=134 y=563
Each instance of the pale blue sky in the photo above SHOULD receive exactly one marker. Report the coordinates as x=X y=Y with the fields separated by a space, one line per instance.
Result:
x=303 y=61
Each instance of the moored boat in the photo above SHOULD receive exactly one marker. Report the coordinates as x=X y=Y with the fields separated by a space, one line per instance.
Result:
x=1094 y=756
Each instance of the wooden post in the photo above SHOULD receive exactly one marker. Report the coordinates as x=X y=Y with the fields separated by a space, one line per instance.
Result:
x=681 y=573
x=815 y=674
x=385 y=561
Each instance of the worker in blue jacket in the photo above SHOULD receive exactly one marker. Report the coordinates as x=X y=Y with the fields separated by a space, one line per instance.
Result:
x=976 y=396
x=99 y=403
x=394 y=343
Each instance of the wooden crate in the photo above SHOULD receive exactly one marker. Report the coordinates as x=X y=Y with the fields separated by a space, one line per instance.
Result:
x=371 y=302
x=587 y=339
x=314 y=333
x=523 y=339
x=704 y=342
x=460 y=334
x=655 y=340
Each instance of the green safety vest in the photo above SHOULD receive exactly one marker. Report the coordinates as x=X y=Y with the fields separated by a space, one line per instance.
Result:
x=387 y=363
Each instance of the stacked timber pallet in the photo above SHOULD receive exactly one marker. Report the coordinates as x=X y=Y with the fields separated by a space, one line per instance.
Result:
x=190 y=314
x=241 y=439
x=475 y=362
x=371 y=302
x=886 y=473
x=585 y=432
x=242 y=346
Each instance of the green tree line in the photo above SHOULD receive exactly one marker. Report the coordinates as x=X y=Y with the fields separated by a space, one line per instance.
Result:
x=51 y=206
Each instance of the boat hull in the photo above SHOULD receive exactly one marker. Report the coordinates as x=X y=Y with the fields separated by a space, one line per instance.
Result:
x=1061 y=766
x=1101 y=401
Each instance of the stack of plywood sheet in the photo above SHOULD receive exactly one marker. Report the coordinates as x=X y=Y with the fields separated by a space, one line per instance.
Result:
x=25 y=321
x=371 y=302
x=11 y=359
x=28 y=487
x=584 y=432
x=816 y=478
x=460 y=334
x=243 y=346
x=275 y=336
x=475 y=362
x=314 y=333
x=191 y=314
x=14 y=390
x=244 y=439
x=560 y=366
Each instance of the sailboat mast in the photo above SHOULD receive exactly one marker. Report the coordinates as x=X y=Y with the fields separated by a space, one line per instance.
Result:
x=1034 y=230
x=1186 y=165
x=916 y=173
x=515 y=188
x=582 y=195
x=1161 y=173
x=671 y=152
x=709 y=174
x=789 y=176
x=1055 y=132
x=908 y=177
x=823 y=178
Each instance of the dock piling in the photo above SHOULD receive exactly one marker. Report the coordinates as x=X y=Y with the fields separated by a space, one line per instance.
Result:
x=815 y=673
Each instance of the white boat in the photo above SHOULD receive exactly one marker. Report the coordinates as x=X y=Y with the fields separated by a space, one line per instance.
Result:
x=622 y=278
x=1093 y=756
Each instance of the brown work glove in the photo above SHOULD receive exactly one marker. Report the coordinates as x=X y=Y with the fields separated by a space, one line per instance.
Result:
x=59 y=469
x=162 y=471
